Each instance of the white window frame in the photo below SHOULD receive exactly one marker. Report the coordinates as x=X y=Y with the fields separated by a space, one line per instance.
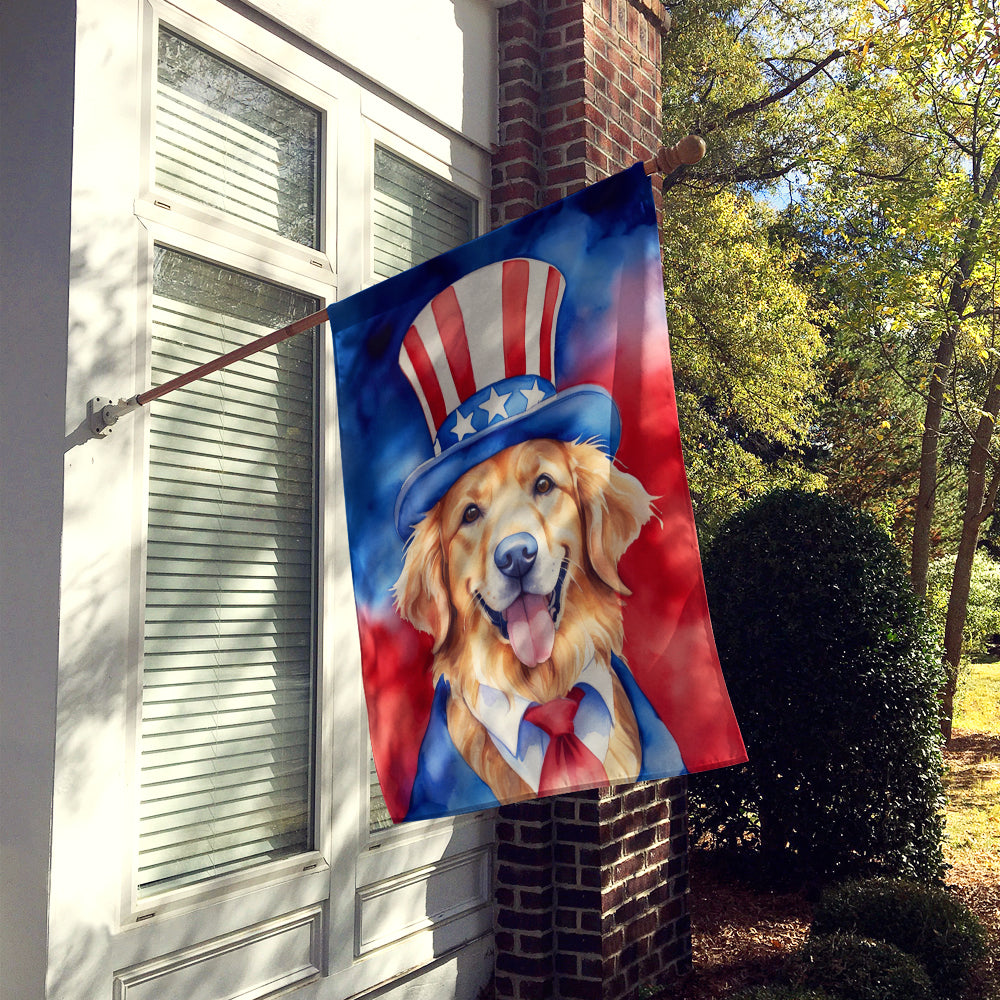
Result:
x=351 y=874
x=180 y=224
x=396 y=858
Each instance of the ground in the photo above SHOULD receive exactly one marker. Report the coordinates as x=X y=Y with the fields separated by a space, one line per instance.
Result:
x=742 y=935
x=973 y=849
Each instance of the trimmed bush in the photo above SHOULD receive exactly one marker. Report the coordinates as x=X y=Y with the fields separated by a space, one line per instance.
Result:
x=925 y=922
x=856 y=968
x=833 y=672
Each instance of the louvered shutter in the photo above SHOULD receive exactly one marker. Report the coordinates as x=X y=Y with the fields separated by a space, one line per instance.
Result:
x=228 y=659
x=228 y=675
x=230 y=141
x=416 y=216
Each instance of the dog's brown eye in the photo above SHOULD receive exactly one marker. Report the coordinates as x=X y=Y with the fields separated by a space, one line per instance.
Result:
x=470 y=514
x=543 y=485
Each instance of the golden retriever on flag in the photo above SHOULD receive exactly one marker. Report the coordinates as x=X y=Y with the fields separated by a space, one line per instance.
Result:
x=514 y=573
x=514 y=529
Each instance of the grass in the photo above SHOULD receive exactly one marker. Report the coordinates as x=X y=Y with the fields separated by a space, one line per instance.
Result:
x=973 y=782
x=972 y=848
x=978 y=698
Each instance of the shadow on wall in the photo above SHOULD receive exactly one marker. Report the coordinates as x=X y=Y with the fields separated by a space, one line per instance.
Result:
x=95 y=703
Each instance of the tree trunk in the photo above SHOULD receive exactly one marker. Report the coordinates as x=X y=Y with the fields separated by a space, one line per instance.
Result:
x=980 y=499
x=958 y=299
x=920 y=554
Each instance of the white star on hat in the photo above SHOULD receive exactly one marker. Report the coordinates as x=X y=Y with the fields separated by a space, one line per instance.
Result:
x=534 y=395
x=495 y=406
x=463 y=425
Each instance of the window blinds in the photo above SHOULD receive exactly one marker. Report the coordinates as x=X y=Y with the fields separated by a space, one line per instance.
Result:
x=225 y=139
x=415 y=217
x=227 y=680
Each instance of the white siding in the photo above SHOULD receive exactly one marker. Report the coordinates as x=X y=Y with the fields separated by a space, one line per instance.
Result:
x=78 y=503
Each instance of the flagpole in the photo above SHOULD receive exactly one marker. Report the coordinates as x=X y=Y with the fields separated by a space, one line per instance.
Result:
x=103 y=413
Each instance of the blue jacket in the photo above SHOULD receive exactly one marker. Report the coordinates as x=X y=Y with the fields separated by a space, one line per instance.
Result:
x=445 y=783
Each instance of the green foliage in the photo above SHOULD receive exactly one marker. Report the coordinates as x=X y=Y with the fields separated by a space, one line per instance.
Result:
x=926 y=922
x=877 y=125
x=833 y=673
x=746 y=355
x=857 y=968
x=738 y=73
x=905 y=192
x=983 y=617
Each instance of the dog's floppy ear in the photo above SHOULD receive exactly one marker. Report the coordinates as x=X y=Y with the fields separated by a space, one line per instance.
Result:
x=615 y=507
x=421 y=591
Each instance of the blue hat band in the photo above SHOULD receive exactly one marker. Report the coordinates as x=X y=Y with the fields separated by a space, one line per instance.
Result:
x=580 y=413
x=491 y=406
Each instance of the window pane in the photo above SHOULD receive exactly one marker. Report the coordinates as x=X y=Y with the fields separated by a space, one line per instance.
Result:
x=228 y=140
x=416 y=216
x=228 y=664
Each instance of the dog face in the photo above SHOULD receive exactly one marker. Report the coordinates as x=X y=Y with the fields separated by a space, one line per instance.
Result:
x=511 y=531
x=519 y=560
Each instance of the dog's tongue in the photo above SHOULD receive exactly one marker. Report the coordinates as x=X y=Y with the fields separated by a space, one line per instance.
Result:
x=530 y=629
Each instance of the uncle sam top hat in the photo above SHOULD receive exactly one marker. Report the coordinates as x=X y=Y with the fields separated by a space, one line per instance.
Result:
x=480 y=357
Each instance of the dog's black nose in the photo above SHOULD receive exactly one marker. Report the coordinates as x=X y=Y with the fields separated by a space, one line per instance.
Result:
x=515 y=555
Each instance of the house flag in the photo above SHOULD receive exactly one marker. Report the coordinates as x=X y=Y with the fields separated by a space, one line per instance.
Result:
x=526 y=573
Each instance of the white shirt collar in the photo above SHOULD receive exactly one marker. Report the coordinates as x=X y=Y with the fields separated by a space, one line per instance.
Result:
x=524 y=748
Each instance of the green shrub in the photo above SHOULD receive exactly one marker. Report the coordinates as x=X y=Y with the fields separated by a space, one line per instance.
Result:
x=833 y=673
x=926 y=922
x=856 y=968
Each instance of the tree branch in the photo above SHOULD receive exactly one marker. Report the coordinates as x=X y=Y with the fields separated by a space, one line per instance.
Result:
x=754 y=106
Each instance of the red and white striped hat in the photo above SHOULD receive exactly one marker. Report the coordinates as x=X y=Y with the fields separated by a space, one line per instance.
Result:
x=480 y=357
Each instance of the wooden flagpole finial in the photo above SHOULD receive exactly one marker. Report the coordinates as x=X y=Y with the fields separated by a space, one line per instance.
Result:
x=668 y=158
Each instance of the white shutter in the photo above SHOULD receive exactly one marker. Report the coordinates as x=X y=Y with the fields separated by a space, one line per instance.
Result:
x=228 y=661
x=415 y=216
x=228 y=140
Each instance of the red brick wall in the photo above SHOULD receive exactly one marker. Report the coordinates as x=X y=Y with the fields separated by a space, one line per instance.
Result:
x=591 y=889
x=579 y=96
x=591 y=893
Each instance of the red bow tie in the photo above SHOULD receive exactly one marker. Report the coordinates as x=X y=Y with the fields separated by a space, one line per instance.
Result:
x=568 y=765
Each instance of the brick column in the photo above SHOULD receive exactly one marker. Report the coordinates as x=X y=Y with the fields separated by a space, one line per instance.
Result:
x=579 y=96
x=591 y=889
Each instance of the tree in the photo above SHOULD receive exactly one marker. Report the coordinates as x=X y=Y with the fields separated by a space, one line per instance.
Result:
x=747 y=352
x=879 y=123
x=912 y=190
x=747 y=358
x=746 y=75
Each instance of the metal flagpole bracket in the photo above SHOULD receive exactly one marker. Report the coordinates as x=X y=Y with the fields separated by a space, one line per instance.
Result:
x=103 y=413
